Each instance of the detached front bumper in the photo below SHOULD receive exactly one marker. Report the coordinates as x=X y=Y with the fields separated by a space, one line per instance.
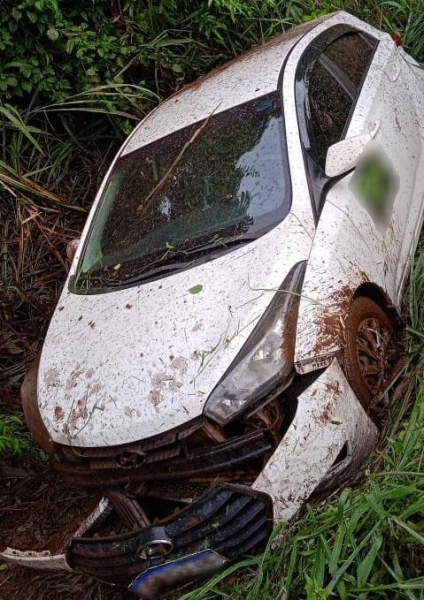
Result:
x=229 y=520
x=223 y=525
x=326 y=441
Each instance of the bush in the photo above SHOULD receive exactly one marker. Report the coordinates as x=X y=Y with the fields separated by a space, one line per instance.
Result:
x=56 y=50
x=13 y=437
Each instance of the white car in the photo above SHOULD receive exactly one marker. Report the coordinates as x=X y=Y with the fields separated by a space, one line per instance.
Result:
x=232 y=309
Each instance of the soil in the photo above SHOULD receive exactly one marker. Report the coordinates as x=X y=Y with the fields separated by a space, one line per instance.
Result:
x=37 y=509
x=40 y=511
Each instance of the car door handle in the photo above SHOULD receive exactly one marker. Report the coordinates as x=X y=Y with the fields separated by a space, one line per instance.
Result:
x=374 y=128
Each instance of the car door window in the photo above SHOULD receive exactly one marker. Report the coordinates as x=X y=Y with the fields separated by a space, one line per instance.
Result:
x=352 y=53
x=329 y=109
x=328 y=82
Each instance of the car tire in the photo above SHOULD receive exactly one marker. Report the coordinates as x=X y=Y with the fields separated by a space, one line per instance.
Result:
x=371 y=351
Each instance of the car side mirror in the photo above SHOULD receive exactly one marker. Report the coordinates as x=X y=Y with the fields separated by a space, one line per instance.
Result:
x=71 y=248
x=344 y=155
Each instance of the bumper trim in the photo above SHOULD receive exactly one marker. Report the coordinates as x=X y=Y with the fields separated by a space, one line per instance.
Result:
x=328 y=416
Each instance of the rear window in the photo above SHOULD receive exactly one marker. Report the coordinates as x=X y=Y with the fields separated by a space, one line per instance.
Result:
x=352 y=54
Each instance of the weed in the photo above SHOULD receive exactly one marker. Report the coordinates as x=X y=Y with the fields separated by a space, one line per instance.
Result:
x=14 y=439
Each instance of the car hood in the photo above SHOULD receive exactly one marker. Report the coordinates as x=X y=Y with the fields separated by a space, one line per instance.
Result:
x=126 y=365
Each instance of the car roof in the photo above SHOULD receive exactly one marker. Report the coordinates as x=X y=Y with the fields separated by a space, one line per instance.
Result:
x=251 y=75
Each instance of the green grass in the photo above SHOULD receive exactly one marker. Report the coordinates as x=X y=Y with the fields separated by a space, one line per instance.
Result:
x=14 y=438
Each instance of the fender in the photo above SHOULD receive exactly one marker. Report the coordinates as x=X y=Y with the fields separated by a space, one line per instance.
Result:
x=347 y=252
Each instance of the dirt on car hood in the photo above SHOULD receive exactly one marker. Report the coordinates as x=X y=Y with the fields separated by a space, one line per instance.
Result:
x=122 y=366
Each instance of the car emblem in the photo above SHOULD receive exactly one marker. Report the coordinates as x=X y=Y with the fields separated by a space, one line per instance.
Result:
x=155 y=549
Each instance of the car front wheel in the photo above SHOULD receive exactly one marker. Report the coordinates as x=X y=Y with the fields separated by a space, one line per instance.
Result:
x=371 y=352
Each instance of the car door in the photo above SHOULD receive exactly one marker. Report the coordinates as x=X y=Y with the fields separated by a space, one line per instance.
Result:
x=349 y=85
x=345 y=85
x=347 y=247
x=386 y=104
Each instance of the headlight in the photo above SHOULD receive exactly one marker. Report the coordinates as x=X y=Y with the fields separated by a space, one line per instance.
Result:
x=266 y=360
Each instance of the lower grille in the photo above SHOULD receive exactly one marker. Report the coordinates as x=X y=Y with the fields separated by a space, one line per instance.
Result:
x=230 y=519
x=225 y=456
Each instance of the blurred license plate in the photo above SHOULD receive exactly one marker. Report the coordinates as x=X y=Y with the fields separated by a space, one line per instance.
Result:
x=151 y=583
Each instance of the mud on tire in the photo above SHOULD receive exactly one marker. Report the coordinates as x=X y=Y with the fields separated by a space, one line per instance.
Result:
x=371 y=351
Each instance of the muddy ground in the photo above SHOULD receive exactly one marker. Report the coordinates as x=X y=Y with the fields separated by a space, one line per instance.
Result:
x=39 y=511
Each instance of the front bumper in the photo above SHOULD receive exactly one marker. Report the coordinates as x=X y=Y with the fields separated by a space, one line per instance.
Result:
x=230 y=520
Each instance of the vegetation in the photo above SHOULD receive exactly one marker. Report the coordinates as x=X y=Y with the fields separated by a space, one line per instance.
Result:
x=74 y=78
x=14 y=439
x=87 y=72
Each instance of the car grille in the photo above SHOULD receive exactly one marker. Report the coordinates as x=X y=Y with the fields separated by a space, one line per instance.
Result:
x=198 y=451
x=230 y=519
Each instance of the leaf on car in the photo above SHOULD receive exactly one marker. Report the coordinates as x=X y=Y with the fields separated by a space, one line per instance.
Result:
x=196 y=289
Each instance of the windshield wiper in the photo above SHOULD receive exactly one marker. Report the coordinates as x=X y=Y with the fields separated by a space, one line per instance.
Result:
x=149 y=274
x=169 y=262
x=220 y=244
x=170 y=265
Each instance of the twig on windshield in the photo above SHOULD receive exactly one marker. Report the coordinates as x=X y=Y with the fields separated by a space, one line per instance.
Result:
x=147 y=201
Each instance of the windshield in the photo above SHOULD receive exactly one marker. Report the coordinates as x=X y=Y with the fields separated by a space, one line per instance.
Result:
x=189 y=196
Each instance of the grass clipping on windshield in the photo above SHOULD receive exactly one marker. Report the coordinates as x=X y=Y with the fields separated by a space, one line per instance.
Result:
x=367 y=540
